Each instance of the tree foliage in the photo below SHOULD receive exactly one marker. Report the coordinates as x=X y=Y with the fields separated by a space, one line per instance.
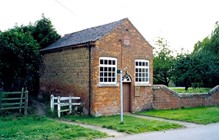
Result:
x=201 y=67
x=163 y=62
x=19 y=58
x=44 y=32
x=214 y=41
x=19 y=54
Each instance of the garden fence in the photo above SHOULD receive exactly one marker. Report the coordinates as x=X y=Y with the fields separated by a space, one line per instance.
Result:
x=63 y=102
x=14 y=100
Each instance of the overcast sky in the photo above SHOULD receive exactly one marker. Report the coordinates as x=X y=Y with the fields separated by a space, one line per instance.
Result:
x=181 y=22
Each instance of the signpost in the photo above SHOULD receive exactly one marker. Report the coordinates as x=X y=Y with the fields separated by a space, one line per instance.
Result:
x=121 y=97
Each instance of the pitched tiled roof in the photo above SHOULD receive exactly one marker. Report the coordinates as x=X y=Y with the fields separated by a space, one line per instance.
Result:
x=84 y=36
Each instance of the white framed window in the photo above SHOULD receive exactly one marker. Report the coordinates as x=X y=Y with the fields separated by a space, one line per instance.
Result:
x=108 y=70
x=141 y=71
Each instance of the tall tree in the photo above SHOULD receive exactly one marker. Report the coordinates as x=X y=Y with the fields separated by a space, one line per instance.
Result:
x=19 y=58
x=44 y=32
x=200 y=45
x=163 y=62
x=206 y=69
x=200 y=68
x=19 y=54
x=182 y=70
x=214 y=40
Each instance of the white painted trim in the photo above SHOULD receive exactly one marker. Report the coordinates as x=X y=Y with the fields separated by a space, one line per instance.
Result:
x=112 y=66
x=147 y=67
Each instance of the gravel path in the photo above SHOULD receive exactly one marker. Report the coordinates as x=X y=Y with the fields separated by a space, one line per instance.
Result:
x=109 y=132
x=115 y=134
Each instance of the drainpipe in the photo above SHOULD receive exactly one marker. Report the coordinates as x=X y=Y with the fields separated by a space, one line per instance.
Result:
x=90 y=84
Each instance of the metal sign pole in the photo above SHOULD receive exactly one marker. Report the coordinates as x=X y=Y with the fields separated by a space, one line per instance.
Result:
x=121 y=98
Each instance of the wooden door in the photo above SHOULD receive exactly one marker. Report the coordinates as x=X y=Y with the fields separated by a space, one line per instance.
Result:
x=126 y=97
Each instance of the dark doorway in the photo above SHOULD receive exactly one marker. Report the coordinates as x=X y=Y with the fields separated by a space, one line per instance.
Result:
x=126 y=97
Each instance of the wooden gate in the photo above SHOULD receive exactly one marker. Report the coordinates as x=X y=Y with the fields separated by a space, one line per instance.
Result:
x=14 y=100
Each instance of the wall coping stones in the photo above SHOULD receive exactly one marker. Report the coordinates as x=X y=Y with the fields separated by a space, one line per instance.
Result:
x=214 y=90
x=181 y=95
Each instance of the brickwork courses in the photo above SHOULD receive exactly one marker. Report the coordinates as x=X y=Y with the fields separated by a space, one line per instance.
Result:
x=106 y=100
x=164 y=98
x=74 y=71
x=66 y=73
x=69 y=71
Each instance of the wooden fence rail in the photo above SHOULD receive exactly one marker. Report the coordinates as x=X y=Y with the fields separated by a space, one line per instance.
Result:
x=14 y=100
x=63 y=102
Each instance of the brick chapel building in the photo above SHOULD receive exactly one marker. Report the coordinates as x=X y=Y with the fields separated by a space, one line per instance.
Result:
x=85 y=64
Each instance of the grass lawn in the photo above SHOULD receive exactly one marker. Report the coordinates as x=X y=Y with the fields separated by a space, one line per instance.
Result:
x=201 y=115
x=130 y=125
x=190 y=90
x=39 y=128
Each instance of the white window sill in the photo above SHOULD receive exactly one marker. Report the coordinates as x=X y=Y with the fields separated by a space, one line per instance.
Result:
x=108 y=85
x=142 y=84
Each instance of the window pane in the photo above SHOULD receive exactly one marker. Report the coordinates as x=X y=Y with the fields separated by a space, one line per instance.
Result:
x=136 y=70
x=114 y=62
x=105 y=73
x=105 y=79
x=114 y=80
x=143 y=75
x=136 y=79
x=101 y=79
x=136 y=74
x=101 y=73
x=101 y=61
x=113 y=74
x=105 y=62
x=101 y=68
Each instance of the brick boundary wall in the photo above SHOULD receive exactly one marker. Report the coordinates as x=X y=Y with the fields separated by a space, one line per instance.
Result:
x=164 y=98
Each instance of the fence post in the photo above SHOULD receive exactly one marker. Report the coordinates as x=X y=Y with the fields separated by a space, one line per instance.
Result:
x=59 y=107
x=26 y=102
x=70 y=104
x=52 y=103
x=21 y=100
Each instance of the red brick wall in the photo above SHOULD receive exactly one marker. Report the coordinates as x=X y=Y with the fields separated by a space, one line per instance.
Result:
x=66 y=73
x=164 y=98
x=215 y=95
x=106 y=100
